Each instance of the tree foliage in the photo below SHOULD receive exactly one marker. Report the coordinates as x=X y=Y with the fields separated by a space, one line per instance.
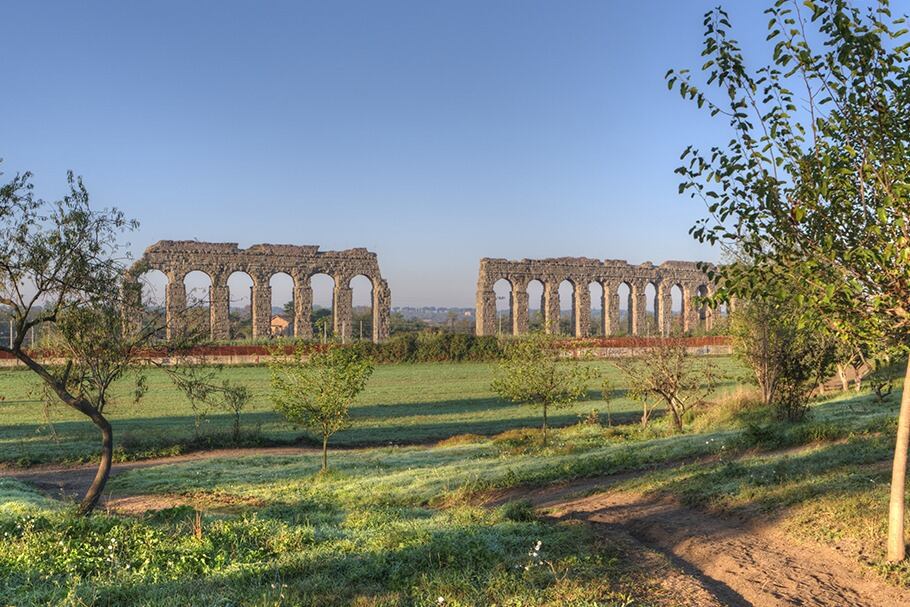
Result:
x=813 y=184
x=665 y=373
x=533 y=372
x=789 y=354
x=315 y=390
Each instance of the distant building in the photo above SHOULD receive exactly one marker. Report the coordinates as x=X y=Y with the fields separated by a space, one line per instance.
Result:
x=279 y=325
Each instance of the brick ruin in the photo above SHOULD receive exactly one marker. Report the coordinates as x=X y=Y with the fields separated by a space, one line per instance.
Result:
x=581 y=272
x=260 y=262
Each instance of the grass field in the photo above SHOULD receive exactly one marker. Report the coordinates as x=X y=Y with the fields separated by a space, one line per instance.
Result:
x=401 y=525
x=403 y=404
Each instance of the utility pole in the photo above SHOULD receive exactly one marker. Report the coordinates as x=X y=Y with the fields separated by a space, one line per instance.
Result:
x=361 y=329
x=10 y=332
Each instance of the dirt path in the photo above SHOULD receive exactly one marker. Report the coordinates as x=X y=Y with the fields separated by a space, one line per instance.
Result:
x=737 y=563
x=70 y=482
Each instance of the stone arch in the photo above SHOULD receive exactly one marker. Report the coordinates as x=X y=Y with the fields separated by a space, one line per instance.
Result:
x=363 y=306
x=282 y=291
x=146 y=293
x=239 y=286
x=677 y=321
x=565 y=308
x=504 y=302
x=323 y=314
x=153 y=288
x=597 y=309
x=650 y=313
x=624 y=308
x=197 y=286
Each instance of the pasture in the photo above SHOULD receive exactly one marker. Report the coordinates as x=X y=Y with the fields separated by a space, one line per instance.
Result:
x=403 y=404
x=447 y=524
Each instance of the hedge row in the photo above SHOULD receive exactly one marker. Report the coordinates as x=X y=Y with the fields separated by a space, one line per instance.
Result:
x=429 y=347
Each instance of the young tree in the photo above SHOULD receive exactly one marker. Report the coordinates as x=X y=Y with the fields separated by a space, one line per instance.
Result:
x=812 y=185
x=56 y=260
x=664 y=372
x=233 y=398
x=789 y=353
x=532 y=372
x=61 y=267
x=315 y=390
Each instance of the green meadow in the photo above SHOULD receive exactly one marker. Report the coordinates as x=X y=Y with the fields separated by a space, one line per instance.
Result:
x=403 y=404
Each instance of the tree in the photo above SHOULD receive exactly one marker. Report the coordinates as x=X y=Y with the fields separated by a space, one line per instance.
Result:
x=61 y=267
x=533 y=372
x=789 y=353
x=665 y=372
x=233 y=398
x=812 y=185
x=316 y=390
x=55 y=259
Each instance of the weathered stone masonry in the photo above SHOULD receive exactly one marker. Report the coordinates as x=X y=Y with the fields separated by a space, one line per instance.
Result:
x=581 y=272
x=176 y=259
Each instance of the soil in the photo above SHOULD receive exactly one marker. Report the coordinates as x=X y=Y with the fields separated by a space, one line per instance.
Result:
x=724 y=560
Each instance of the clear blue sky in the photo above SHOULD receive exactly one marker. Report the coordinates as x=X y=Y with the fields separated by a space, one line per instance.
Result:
x=434 y=133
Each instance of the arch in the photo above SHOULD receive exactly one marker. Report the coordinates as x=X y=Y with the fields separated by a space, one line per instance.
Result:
x=198 y=313
x=240 y=298
x=282 y=305
x=624 y=309
x=153 y=286
x=502 y=289
x=322 y=317
x=598 y=309
x=677 y=321
x=651 y=313
x=534 y=290
x=363 y=306
x=567 y=312
x=150 y=295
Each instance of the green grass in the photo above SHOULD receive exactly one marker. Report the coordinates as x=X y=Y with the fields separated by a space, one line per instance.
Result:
x=403 y=404
x=399 y=525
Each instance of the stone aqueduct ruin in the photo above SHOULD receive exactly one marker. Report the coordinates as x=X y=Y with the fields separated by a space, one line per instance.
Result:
x=176 y=259
x=581 y=272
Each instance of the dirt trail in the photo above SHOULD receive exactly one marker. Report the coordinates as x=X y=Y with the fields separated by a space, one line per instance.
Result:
x=72 y=481
x=738 y=563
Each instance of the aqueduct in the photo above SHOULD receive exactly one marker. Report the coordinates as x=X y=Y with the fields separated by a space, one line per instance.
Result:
x=260 y=262
x=581 y=272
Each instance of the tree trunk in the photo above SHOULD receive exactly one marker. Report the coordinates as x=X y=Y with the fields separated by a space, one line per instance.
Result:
x=896 y=542
x=545 y=424
x=104 y=466
x=842 y=375
x=86 y=408
x=677 y=420
x=325 y=452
